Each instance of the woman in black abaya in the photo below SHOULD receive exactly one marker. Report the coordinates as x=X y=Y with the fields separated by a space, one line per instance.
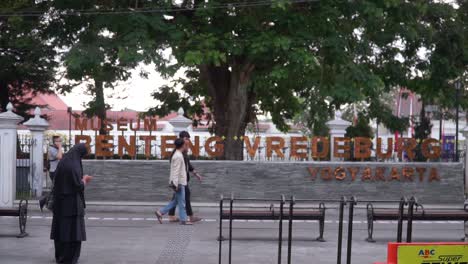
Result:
x=68 y=226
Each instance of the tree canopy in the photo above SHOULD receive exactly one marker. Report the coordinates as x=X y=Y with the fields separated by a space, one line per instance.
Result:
x=27 y=57
x=98 y=50
x=281 y=57
x=241 y=61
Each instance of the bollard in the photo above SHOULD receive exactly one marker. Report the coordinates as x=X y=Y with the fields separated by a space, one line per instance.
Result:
x=340 y=230
x=280 y=238
x=291 y=205
x=401 y=209
x=466 y=231
x=466 y=222
x=230 y=227
x=352 y=203
x=409 y=230
x=220 y=238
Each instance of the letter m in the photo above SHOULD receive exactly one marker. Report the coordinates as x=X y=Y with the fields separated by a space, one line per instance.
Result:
x=81 y=124
x=150 y=124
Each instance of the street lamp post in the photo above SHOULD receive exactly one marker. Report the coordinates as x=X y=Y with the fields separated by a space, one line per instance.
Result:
x=458 y=85
x=440 y=125
x=69 y=110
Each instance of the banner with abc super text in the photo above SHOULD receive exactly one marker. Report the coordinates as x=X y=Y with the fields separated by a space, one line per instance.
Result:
x=433 y=254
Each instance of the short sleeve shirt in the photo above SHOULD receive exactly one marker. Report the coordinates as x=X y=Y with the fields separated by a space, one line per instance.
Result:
x=52 y=156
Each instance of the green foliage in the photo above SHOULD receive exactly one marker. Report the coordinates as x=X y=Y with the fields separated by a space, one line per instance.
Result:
x=313 y=119
x=27 y=59
x=422 y=130
x=100 y=50
x=447 y=58
x=360 y=129
x=281 y=57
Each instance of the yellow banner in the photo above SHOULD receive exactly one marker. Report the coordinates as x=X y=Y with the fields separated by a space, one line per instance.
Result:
x=433 y=254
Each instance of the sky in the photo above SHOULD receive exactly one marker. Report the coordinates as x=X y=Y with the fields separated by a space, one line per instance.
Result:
x=133 y=94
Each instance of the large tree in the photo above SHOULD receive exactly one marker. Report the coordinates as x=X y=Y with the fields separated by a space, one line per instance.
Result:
x=446 y=57
x=240 y=59
x=281 y=57
x=99 y=50
x=27 y=58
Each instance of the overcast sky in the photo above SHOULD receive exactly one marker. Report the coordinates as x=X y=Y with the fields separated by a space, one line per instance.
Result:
x=133 y=94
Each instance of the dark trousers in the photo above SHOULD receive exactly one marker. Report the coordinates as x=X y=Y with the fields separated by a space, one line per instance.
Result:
x=67 y=252
x=52 y=175
x=188 y=205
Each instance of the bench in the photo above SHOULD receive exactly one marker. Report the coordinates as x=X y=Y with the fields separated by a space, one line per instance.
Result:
x=420 y=214
x=21 y=212
x=307 y=214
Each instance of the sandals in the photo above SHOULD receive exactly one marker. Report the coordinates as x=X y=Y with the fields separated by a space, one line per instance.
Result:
x=159 y=216
x=174 y=220
x=195 y=219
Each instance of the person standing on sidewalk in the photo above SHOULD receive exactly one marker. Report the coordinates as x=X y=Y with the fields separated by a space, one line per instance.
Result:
x=177 y=181
x=54 y=155
x=68 y=223
x=190 y=169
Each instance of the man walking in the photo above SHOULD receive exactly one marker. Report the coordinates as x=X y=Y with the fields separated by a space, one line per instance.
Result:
x=54 y=155
x=177 y=181
x=188 y=206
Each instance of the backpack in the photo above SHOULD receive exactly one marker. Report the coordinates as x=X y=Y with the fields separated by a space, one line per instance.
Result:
x=46 y=162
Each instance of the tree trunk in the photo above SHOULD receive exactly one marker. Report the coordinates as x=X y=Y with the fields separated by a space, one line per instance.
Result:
x=100 y=105
x=4 y=96
x=232 y=103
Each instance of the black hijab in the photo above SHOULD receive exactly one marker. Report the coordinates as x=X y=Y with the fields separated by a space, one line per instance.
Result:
x=69 y=173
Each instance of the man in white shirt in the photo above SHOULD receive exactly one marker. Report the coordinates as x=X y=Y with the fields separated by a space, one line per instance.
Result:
x=190 y=169
x=54 y=154
x=178 y=181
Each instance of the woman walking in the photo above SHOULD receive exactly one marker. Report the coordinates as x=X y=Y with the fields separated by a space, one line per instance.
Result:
x=178 y=181
x=68 y=226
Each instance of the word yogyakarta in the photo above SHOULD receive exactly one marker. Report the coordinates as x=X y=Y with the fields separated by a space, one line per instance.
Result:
x=214 y=146
x=385 y=174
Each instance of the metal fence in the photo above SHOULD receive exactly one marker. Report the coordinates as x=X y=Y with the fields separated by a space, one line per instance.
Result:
x=404 y=209
x=24 y=166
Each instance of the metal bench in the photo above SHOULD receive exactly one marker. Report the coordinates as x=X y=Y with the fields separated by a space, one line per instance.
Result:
x=307 y=214
x=270 y=213
x=420 y=214
x=21 y=212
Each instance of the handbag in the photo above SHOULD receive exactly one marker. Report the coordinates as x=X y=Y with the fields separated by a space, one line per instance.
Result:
x=50 y=199
x=172 y=186
x=47 y=200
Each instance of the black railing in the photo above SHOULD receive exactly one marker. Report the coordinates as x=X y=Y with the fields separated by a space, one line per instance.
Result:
x=24 y=167
x=342 y=203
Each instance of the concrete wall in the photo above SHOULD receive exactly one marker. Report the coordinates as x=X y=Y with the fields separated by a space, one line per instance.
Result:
x=148 y=180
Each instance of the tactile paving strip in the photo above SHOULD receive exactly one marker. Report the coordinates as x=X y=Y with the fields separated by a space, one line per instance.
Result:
x=174 y=251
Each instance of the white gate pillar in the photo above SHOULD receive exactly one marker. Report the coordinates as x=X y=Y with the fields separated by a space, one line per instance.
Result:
x=465 y=134
x=337 y=128
x=466 y=222
x=180 y=122
x=37 y=126
x=8 y=137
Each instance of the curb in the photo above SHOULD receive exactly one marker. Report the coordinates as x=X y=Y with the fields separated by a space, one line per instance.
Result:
x=149 y=207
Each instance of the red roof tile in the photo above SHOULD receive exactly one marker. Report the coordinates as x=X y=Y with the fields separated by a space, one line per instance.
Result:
x=50 y=101
x=56 y=111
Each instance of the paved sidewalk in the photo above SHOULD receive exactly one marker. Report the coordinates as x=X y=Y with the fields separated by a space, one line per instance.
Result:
x=148 y=207
x=137 y=238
